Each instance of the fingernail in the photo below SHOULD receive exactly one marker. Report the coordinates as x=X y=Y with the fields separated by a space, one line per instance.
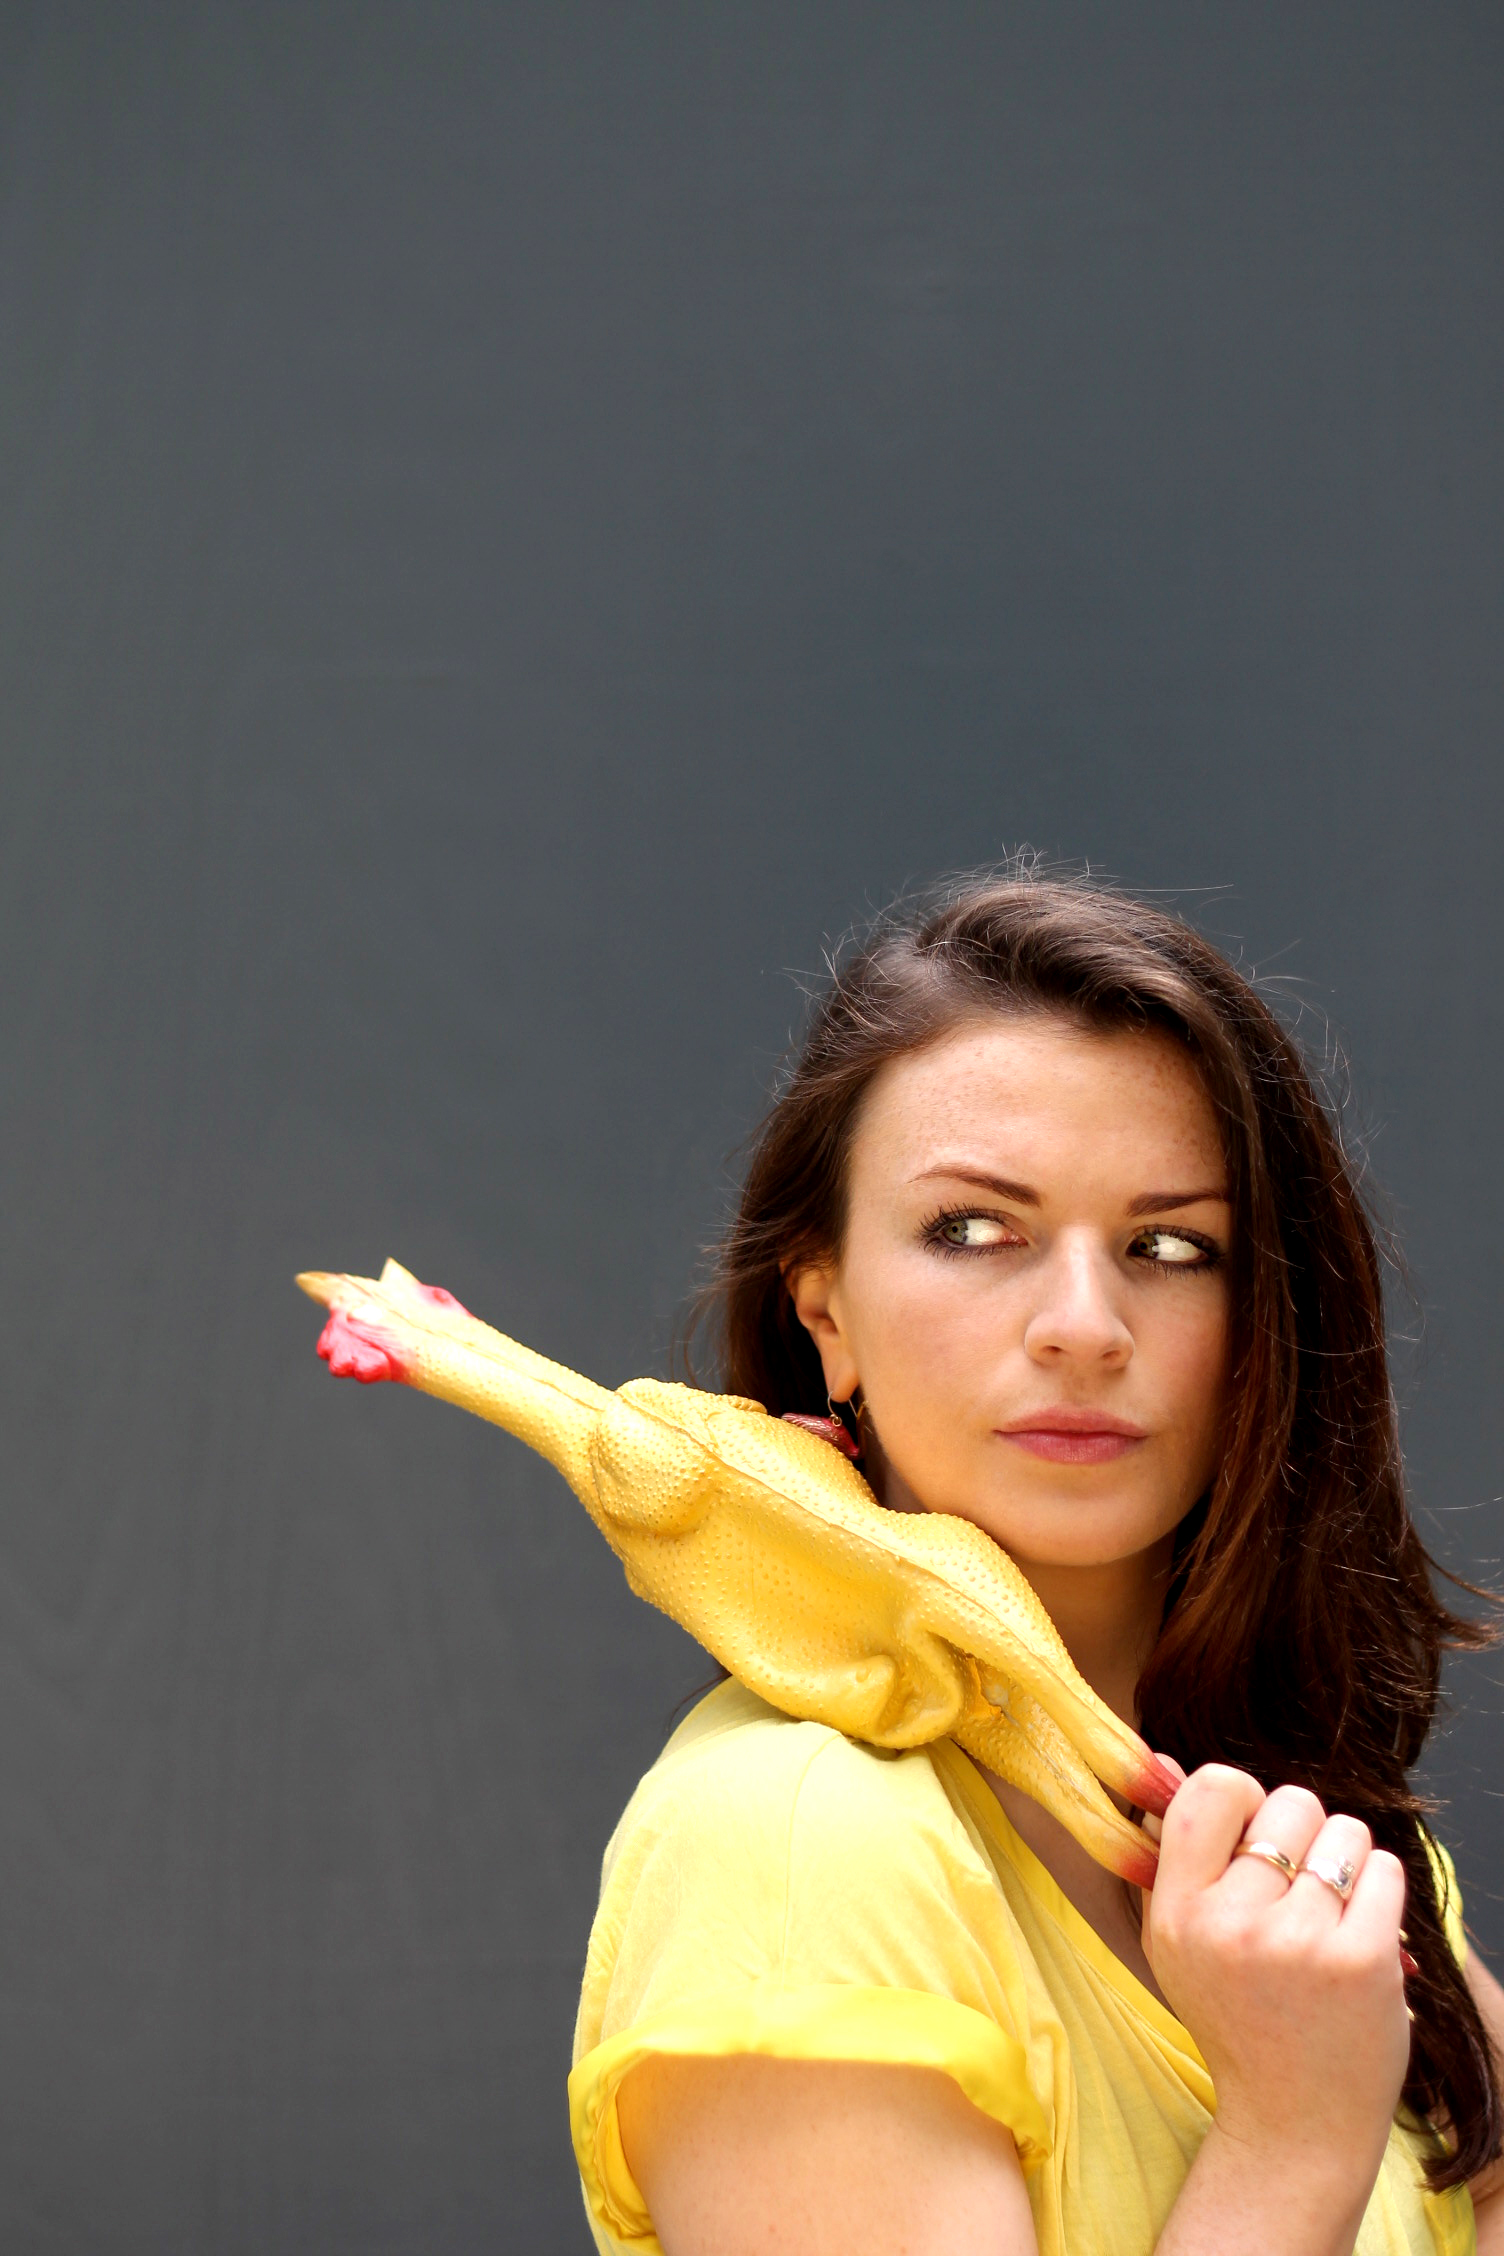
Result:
x=1410 y=1965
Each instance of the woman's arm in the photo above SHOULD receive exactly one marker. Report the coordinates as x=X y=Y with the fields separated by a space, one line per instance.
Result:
x=758 y=2157
x=1226 y=2178
x=1296 y=1998
x=1294 y=1995
x=1488 y=2186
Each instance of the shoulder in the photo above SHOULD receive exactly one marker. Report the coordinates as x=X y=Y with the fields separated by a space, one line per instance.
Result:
x=775 y=1888
x=761 y=1848
x=748 y=1782
x=1448 y=1896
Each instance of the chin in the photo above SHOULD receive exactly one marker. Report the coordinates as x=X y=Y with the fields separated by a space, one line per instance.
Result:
x=1037 y=1539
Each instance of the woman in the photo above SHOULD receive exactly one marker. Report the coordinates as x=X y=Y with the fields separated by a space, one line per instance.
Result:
x=1050 y=1203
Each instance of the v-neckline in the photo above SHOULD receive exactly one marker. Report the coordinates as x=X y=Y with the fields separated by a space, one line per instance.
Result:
x=1004 y=1839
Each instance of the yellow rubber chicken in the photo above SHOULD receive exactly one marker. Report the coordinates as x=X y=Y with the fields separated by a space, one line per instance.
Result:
x=766 y=1544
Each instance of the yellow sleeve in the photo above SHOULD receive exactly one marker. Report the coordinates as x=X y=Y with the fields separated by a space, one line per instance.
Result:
x=776 y=1889
x=1449 y=1896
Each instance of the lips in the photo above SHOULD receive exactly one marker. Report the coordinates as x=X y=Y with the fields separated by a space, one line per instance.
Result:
x=1065 y=1436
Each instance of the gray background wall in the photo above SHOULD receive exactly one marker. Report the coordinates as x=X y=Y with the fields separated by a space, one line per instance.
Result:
x=516 y=522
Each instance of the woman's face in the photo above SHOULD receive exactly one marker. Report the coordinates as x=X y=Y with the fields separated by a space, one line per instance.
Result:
x=1032 y=1294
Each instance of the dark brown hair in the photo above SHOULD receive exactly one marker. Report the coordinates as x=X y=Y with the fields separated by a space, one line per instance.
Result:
x=1303 y=1636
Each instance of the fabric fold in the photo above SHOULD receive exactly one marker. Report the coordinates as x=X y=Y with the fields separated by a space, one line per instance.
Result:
x=825 y=2022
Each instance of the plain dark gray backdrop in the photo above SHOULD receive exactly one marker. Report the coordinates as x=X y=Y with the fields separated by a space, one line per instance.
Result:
x=516 y=524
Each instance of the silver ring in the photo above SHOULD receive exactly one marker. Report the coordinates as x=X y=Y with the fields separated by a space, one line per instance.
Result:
x=1270 y=1855
x=1339 y=1877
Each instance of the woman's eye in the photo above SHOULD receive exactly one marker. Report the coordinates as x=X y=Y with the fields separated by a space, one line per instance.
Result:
x=1170 y=1249
x=972 y=1230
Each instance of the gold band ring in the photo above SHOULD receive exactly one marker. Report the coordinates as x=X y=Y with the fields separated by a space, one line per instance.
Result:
x=1270 y=1855
x=1340 y=1878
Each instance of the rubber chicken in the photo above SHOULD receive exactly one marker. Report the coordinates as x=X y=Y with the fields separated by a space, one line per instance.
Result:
x=767 y=1545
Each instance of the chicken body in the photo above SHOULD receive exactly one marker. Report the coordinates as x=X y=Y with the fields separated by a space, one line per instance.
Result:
x=763 y=1542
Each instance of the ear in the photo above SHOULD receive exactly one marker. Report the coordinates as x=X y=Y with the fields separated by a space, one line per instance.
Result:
x=815 y=1292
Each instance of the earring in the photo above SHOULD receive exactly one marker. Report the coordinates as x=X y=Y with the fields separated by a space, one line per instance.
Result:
x=848 y=1416
x=834 y=1429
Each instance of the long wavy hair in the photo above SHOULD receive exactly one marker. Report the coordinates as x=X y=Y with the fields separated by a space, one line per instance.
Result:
x=1302 y=1635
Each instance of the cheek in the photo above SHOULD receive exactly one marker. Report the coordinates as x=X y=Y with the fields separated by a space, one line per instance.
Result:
x=926 y=1337
x=1191 y=1350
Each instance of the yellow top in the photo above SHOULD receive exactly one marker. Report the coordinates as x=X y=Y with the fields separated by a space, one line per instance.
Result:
x=776 y=1888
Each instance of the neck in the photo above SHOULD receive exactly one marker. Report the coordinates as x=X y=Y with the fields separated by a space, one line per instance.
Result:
x=1108 y=1617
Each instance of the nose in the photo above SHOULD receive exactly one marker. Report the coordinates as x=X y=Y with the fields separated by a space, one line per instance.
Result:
x=1077 y=1317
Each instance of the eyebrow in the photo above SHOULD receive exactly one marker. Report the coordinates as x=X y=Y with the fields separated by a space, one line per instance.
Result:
x=1021 y=1194
x=1017 y=1194
x=1165 y=1202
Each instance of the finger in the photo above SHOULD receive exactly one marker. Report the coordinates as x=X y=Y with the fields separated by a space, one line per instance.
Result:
x=1323 y=1889
x=1202 y=1827
x=1370 y=1926
x=1288 y=1822
x=1376 y=1905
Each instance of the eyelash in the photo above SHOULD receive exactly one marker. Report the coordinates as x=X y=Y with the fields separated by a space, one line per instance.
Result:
x=932 y=1232
x=932 y=1236
x=1208 y=1246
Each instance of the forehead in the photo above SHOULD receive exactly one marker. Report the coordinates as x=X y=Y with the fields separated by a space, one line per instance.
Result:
x=1033 y=1098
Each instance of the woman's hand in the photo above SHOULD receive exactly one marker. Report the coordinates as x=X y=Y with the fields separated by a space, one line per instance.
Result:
x=1295 y=1998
